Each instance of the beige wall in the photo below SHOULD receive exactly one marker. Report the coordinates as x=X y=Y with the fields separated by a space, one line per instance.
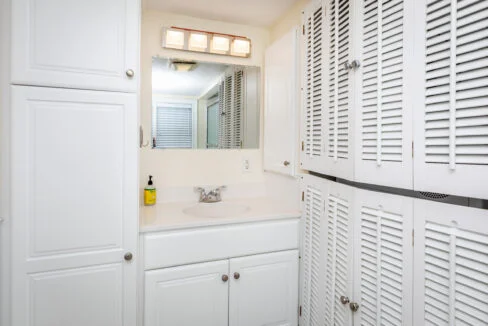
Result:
x=292 y=17
x=179 y=168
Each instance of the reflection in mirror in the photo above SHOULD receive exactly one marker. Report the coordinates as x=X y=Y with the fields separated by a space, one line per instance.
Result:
x=204 y=105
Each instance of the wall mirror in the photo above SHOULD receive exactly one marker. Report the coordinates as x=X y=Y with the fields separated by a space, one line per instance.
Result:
x=204 y=105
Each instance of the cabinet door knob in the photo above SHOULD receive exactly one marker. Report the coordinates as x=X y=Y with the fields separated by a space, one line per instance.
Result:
x=344 y=300
x=130 y=73
x=237 y=276
x=225 y=278
x=286 y=163
x=354 y=306
x=128 y=256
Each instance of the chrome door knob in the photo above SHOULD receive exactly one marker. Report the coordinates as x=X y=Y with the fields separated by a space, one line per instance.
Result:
x=130 y=73
x=354 y=306
x=237 y=276
x=128 y=256
x=225 y=278
x=344 y=300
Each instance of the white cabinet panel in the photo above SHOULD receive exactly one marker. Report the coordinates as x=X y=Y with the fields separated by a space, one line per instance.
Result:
x=451 y=131
x=338 y=253
x=383 y=137
x=451 y=274
x=187 y=295
x=312 y=296
x=264 y=290
x=383 y=260
x=76 y=44
x=78 y=297
x=327 y=117
x=280 y=136
x=74 y=191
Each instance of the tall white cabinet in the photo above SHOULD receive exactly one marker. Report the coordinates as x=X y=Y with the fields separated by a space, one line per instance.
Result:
x=74 y=187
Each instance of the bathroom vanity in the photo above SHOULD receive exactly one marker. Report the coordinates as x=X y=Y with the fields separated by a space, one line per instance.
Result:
x=239 y=269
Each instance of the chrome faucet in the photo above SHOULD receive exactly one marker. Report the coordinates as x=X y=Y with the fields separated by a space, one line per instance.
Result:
x=212 y=196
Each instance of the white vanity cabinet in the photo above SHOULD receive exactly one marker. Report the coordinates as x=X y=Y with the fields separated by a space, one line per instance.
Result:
x=91 y=44
x=251 y=279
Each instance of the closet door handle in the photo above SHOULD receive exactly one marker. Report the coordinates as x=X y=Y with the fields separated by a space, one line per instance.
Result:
x=286 y=163
x=354 y=306
x=225 y=278
x=344 y=300
x=130 y=73
x=237 y=276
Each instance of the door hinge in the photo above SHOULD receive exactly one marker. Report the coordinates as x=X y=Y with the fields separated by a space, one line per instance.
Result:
x=303 y=29
x=303 y=145
x=303 y=195
x=412 y=149
x=300 y=311
x=413 y=238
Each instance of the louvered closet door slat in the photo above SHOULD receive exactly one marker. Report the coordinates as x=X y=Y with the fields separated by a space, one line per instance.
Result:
x=312 y=279
x=451 y=278
x=452 y=141
x=383 y=139
x=339 y=254
x=383 y=258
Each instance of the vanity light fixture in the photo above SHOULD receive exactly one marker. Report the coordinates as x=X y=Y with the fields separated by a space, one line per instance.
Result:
x=174 y=39
x=207 y=42
x=241 y=47
x=198 y=42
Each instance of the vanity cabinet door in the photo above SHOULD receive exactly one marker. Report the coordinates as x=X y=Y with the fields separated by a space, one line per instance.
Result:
x=188 y=295
x=264 y=290
x=90 y=44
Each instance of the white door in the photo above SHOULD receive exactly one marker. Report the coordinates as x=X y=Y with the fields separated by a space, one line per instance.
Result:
x=327 y=117
x=280 y=75
x=383 y=148
x=383 y=259
x=74 y=207
x=90 y=44
x=451 y=273
x=264 y=290
x=451 y=114
x=313 y=237
x=338 y=245
x=188 y=295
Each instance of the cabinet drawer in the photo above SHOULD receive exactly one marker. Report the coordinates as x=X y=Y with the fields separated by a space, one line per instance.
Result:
x=173 y=248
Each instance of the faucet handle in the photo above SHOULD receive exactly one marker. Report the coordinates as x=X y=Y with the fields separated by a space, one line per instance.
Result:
x=199 y=190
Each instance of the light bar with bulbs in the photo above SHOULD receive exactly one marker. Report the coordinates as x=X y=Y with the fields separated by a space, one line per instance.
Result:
x=208 y=42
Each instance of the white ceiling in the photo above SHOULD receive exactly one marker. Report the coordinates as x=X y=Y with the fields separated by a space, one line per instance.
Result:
x=179 y=83
x=249 y=12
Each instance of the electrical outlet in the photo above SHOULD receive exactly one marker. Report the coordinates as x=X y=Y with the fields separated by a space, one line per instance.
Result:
x=246 y=165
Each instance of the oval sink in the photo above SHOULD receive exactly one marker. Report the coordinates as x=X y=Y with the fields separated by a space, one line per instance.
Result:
x=220 y=209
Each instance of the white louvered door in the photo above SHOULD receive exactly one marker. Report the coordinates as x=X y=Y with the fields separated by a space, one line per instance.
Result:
x=313 y=136
x=312 y=283
x=338 y=244
x=451 y=115
x=383 y=258
x=383 y=137
x=451 y=259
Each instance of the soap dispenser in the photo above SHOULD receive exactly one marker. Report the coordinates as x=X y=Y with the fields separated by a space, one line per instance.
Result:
x=150 y=193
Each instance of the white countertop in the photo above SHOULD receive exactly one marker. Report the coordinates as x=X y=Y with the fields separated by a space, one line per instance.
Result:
x=170 y=216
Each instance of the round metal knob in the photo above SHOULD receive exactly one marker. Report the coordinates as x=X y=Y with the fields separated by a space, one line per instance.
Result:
x=354 y=306
x=225 y=278
x=130 y=73
x=344 y=300
x=237 y=276
x=128 y=256
x=286 y=163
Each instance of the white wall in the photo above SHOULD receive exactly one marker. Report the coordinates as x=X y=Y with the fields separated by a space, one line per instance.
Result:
x=179 y=168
